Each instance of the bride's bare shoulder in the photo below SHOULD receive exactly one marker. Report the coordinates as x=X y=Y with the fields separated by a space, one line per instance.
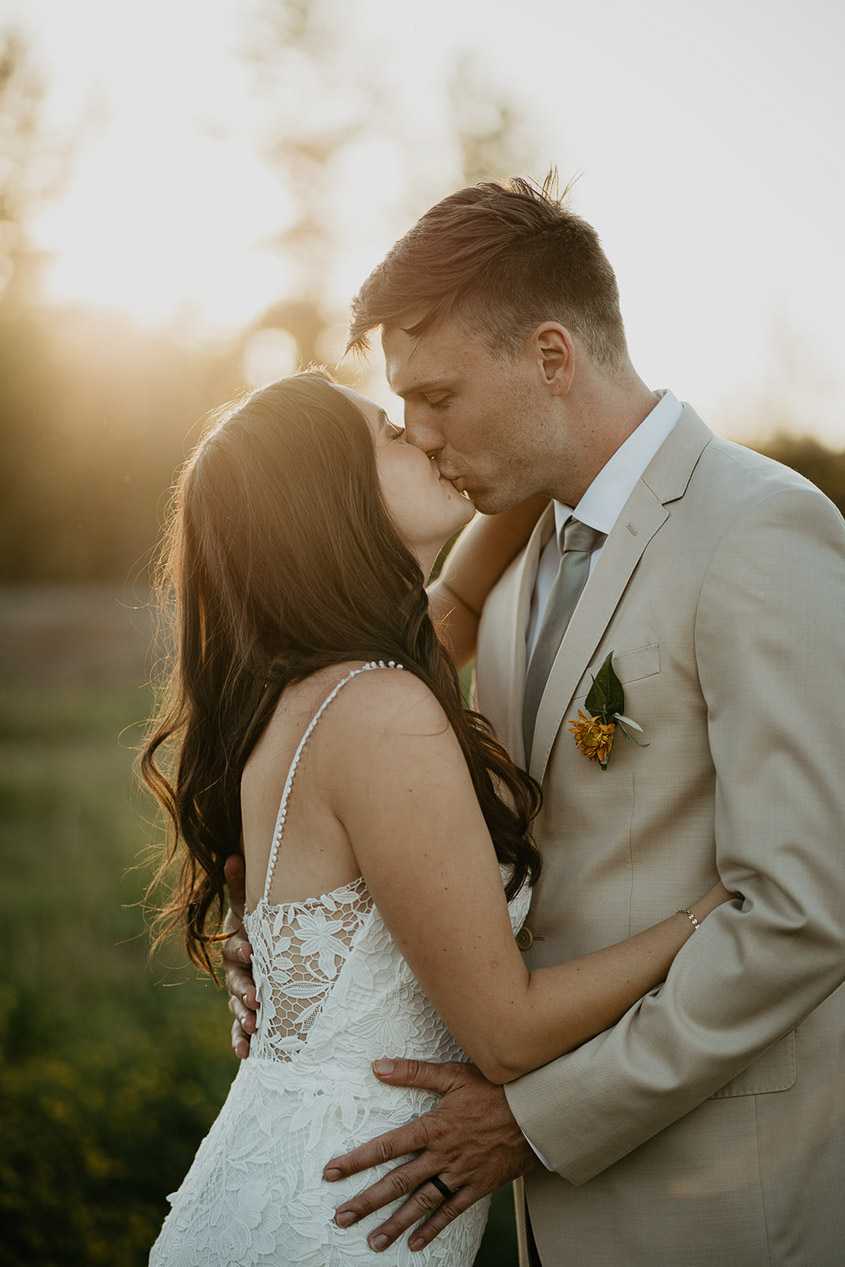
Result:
x=384 y=701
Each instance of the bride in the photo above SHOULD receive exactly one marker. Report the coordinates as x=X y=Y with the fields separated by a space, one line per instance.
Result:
x=315 y=725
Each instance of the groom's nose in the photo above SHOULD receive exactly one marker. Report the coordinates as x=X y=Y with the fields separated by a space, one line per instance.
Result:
x=423 y=435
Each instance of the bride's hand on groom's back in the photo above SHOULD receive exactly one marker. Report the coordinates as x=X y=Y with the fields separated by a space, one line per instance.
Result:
x=237 y=955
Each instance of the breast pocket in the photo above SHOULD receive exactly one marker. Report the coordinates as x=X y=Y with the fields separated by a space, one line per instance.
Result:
x=629 y=666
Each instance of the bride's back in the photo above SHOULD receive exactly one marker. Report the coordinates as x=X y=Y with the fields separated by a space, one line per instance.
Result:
x=316 y=856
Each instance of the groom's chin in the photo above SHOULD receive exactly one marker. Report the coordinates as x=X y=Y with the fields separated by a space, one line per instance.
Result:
x=490 y=502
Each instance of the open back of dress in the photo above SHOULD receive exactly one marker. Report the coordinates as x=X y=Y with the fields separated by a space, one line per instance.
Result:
x=335 y=995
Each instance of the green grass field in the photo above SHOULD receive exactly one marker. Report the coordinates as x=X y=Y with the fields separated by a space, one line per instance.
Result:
x=112 y=1067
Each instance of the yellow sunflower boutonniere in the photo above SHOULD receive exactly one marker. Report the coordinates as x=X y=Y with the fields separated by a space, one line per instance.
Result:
x=605 y=701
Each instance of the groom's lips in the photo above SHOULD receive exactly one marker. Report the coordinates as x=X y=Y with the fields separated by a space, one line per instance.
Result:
x=457 y=483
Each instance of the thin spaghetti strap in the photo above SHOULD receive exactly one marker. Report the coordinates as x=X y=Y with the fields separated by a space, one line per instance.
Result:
x=283 y=808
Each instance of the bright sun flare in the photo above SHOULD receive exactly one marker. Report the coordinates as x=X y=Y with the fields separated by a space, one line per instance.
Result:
x=166 y=236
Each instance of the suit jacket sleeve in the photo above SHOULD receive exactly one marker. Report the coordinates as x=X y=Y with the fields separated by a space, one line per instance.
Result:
x=770 y=655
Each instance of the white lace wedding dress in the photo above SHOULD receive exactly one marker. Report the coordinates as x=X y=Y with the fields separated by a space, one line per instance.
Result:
x=335 y=995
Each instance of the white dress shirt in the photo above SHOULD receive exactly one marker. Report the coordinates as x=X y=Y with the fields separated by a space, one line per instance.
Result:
x=603 y=501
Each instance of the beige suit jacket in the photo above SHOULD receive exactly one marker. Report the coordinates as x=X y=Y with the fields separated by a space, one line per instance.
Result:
x=708 y=1125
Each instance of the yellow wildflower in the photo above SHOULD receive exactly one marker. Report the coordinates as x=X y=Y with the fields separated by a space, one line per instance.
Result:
x=593 y=737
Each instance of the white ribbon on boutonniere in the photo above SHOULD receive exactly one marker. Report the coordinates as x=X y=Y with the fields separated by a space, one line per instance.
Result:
x=594 y=734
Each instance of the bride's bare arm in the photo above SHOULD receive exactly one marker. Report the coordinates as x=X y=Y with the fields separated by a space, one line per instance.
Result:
x=479 y=557
x=401 y=787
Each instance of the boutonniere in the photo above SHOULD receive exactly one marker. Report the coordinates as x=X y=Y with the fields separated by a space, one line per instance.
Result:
x=605 y=702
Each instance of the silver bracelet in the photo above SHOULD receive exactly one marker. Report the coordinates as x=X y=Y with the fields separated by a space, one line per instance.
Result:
x=686 y=911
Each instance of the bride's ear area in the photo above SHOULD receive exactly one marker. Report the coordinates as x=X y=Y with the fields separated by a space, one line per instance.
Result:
x=553 y=350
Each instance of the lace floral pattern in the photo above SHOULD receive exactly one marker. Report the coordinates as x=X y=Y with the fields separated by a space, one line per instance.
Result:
x=298 y=951
x=335 y=995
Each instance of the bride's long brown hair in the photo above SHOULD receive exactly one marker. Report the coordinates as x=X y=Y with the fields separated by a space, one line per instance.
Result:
x=281 y=559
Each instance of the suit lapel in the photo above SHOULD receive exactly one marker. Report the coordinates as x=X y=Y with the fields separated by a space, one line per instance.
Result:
x=665 y=480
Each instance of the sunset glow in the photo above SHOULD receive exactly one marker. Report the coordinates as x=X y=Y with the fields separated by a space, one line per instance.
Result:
x=714 y=180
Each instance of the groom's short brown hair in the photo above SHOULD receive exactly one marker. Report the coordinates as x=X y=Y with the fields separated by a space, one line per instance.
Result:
x=502 y=258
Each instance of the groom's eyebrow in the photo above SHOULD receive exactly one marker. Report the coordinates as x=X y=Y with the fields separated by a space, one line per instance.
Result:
x=430 y=385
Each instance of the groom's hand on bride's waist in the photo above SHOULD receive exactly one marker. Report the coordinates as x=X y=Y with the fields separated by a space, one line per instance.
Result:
x=470 y=1141
x=237 y=956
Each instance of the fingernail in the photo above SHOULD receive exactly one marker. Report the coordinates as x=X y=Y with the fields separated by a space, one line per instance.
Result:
x=331 y=1173
x=383 y=1066
x=344 y=1220
x=378 y=1243
x=416 y=1243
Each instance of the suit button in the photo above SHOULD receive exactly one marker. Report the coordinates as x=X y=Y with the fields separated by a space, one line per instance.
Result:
x=525 y=938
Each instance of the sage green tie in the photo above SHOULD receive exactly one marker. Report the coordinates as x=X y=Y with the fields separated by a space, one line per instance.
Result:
x=579 y=542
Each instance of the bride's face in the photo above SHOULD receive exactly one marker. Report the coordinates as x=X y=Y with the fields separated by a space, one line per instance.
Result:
x=425 y=508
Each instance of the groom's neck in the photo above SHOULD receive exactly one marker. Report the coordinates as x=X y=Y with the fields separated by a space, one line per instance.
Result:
x=601 y=411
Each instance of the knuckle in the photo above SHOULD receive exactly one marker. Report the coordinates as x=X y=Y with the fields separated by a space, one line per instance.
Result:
x=437 y=1130
x=444 y=1215
x=352 y=1163
x=424 y=1199
x=384 y=1149
x=398 y=1181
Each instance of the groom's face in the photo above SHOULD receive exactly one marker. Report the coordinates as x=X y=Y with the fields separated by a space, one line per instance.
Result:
x=483 y=418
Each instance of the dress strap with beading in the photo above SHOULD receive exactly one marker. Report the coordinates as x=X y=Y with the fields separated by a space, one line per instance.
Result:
x=283 y=808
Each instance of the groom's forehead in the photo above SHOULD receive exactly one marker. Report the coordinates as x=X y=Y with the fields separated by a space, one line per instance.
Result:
x=417 y=363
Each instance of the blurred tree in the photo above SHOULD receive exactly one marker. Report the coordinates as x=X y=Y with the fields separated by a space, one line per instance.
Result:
x=823 y=466
x=93 y=413
x=493 y=133
x=320 y=110
x=30 y=172
x=26 y=179
x=330 y=107
x=105 y=414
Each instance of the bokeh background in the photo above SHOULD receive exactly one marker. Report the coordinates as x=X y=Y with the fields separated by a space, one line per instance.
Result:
x=190 y=192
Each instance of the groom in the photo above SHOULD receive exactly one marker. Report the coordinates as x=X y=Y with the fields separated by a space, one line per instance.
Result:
x=708 y=1125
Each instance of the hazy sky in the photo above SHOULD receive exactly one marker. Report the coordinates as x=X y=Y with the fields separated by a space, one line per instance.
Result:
x=709 y=139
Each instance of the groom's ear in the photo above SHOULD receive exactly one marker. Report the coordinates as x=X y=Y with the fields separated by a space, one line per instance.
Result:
x=553 y=350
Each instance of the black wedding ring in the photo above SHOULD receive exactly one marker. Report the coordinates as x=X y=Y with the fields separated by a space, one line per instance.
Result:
x=440 y=1186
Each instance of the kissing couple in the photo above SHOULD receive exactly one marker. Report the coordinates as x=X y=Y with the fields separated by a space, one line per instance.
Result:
x=508 y=944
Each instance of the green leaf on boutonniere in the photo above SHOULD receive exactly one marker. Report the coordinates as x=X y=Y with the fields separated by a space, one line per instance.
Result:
x=605 y=700
x=605 y=697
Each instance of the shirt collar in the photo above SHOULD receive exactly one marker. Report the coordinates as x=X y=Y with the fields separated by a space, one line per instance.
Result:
x=603 y=501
